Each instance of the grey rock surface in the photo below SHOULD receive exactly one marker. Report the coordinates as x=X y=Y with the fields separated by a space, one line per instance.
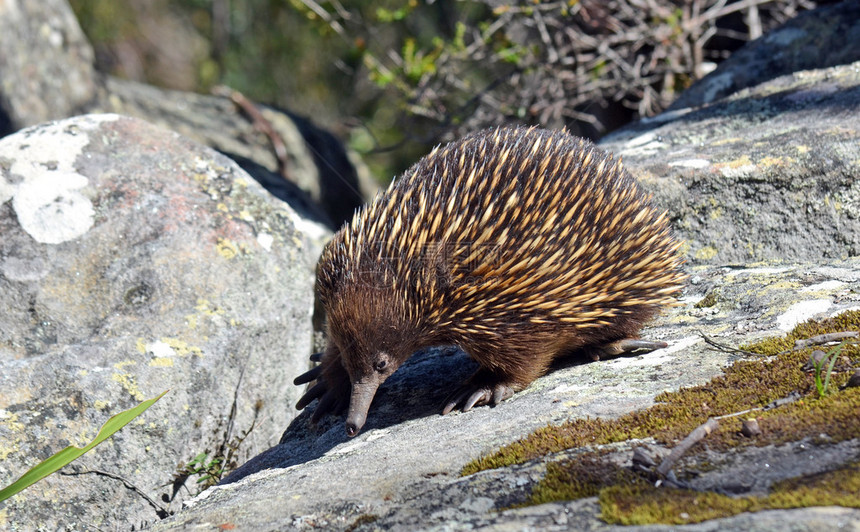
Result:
x=47 y=73
x=46 y=64
x=135 y=261
x=769 y=172
x=766 y=173
x=578 y=515
x=325 y=182
x=402 y=469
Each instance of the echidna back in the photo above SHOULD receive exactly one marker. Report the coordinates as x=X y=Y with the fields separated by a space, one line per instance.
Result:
x=521 y=226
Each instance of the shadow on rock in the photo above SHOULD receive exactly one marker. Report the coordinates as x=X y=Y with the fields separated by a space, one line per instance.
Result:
x=418 y=389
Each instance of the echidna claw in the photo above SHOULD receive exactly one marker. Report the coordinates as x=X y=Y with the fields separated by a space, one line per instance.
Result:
x=308 y=376
x=500 y=393
x=317 y=390
x=631 y=345
x=471 y=395
x=479 y=395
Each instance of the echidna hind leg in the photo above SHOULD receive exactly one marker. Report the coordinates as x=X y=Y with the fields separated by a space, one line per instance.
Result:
x=483 y=388
x=627 y=346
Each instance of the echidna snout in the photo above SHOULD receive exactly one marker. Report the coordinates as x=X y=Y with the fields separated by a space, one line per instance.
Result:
x=517 y=245
x=363 y=392
x=359 y=403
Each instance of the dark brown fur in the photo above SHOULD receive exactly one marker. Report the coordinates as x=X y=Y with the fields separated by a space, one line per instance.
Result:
x=517 y=245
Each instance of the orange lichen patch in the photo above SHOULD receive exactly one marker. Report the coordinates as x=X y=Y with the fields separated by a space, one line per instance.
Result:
x=775 y=161
x=740 y=162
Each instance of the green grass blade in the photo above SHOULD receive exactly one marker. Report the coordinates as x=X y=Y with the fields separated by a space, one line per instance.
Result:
x=70 y=453
x=834 y=355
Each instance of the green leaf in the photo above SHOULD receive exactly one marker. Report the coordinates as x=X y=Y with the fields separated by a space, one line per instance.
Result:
x=70 y=453
x=199 y=459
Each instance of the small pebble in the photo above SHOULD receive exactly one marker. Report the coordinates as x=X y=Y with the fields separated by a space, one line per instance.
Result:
x=642 y=459
x=750 y=428
x=853 y=380
x=815 y=359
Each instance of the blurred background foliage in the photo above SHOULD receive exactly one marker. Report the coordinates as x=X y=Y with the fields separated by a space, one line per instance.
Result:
x=393 y=77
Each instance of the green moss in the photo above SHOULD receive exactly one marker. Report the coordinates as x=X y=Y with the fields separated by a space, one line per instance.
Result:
x=839 y=488
x=639 y=503
x=746 y=384
x=626 y=498
x=642 y=504
x=549 y=439
x=576 y=479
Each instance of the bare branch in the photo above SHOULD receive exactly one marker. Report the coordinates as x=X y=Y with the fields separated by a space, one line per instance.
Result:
x=698 y=434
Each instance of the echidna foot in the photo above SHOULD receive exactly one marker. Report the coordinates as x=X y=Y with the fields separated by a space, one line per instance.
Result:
x=329 y=389
x=478 y=391
x=628 y=346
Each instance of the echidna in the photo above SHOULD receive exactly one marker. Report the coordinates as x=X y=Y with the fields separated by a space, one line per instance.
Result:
x=517 y=245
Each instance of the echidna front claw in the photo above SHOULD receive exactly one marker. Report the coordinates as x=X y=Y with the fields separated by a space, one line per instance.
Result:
x=330 y=401
x=316 y=391
x=331 y=387
x=308 y=376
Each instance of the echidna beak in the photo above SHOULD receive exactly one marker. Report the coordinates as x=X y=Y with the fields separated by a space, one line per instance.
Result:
x=359 y=404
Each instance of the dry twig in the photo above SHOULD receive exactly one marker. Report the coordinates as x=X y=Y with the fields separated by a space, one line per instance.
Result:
x=726 y=348
x=706 y=428
x=261 y=124
x=159 y=510
x=824 y=339
x=698 y=434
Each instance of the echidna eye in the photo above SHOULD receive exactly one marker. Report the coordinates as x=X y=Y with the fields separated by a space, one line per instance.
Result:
x=380 y=364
